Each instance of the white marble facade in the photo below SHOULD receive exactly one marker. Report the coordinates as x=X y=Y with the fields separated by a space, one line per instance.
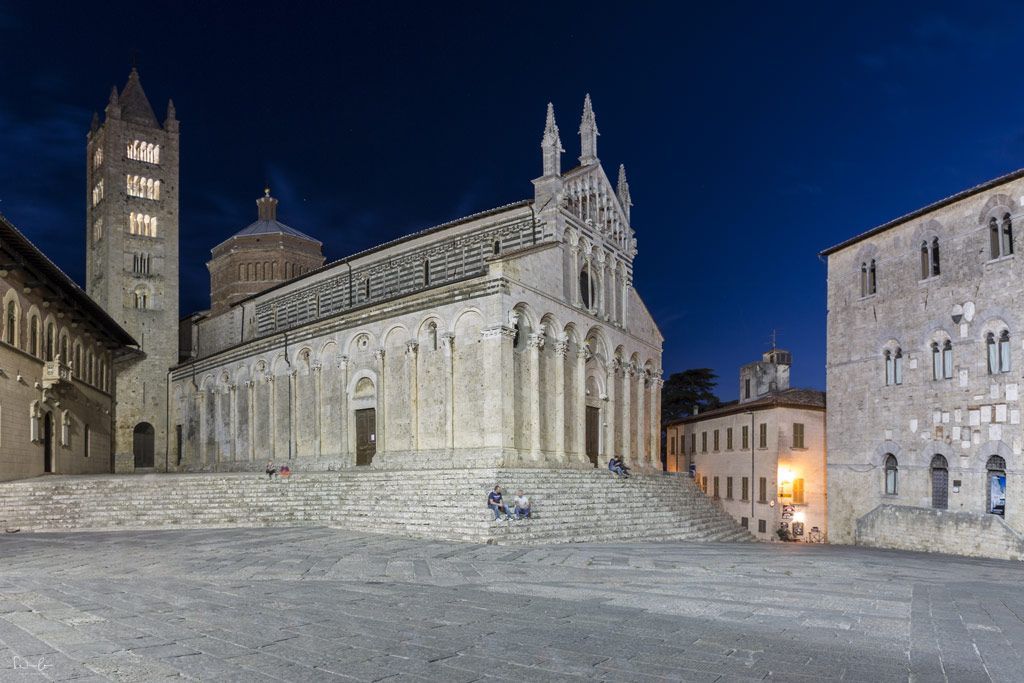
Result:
x=513 y=337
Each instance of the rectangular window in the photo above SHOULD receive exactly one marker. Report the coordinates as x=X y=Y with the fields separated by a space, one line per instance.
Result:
x=716 y=439
x=746 y=388
x=728 y=439
x=177 y=440
x=898 y=367
x=947 y=361
x=672 y=446
x=936 y=362
x=762 y=438
x=762 y=490
x=728 y=488
x=1004 y=354
x=703 y=442
x=890 y=370
x=798 y=492
x=798 y=435
x=693 y=442
x=716 y=487
x=746 y=437
x=745 y=488
x=744 y=522
x=762 y=526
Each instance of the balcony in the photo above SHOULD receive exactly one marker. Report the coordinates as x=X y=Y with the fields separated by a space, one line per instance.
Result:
x=55 y=373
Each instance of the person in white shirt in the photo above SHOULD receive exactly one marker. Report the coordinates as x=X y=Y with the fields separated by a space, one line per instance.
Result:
x=522 y=505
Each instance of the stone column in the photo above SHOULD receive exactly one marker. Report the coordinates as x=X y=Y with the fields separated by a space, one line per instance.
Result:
x=343 y=364
x=609 y=411
x=625 y=297
x=627 y=415
x=577 y=296
x=318 y=420
x=273 y=417
x=535 y=343
x=641 y=423
x=561 y=350
x=293 y=433
x=448 y=347
x=232 y=391
x=412 y=360
x=590 y=281
x=655 y=420
x=582 y=353
x=381 y=403
x=250 y=389
x=601 y=303
x=499 y=408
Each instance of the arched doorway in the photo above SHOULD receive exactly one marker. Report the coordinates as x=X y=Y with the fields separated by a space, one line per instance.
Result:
x=996 y=490
x=364 y=399
x=48 y=464
x=940 y=483
x=592 y=422
x=143 y=439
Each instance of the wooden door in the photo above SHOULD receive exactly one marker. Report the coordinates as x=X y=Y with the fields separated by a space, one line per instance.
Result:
x=593 y=430
x=48 y=442
x=366 y=435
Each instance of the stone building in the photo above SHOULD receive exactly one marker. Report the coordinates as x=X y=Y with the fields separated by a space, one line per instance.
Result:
x=924 y=367
x=57 y=350
x=132 y=260
x=509 y=337
x=785 y=457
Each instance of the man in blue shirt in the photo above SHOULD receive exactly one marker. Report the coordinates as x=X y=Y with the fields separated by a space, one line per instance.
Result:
x=497 y=506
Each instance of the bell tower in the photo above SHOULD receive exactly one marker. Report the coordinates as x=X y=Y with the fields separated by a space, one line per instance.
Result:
x=132 y=261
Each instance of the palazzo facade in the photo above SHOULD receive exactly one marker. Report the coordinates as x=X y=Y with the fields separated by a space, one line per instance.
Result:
x=512 y=337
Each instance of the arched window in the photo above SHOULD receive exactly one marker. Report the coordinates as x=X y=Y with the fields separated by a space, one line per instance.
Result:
x=11 y=324
x=432 y=335
x=585 y=287
x=496 y=247
x=993 y=237
x=863 y=279
x=947 y=360
x=872 y=278
x=88 y=367
x=50 y=341
x=64 y=358
x=1007 y=240
x=1004 y=351
x=995 y=495
x=891 y=475
x=940 y=483
x=141 y=299
x=426 y=272
x=998 y=352
x=33 y=338
x=925 y=261
x=366 y=288
x=936 y=361
x=897 y=363
x=890 y=370
x=935 y=256
x=77 y=367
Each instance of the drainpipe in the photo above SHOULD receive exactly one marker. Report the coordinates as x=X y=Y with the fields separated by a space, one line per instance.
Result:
x=751 y=413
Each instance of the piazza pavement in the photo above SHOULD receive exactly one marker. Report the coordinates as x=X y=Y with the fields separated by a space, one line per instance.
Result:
x=322 y=604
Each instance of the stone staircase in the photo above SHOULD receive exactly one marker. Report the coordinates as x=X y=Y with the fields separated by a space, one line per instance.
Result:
x=570 y=505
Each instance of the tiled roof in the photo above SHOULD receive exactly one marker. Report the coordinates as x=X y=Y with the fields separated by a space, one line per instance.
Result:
x=789 y=398
x=272 y=228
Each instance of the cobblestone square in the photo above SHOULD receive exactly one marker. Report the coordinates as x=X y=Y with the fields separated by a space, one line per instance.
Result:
x=321 y=604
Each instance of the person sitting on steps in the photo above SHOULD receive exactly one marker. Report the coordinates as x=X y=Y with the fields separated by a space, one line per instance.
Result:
x=522 y=508
x=496 y=505
x=616 y=466
x=271 y=470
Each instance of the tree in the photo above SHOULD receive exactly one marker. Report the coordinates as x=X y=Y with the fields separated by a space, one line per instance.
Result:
x=688 y=390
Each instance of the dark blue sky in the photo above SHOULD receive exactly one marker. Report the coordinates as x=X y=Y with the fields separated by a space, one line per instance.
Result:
x=754 y=135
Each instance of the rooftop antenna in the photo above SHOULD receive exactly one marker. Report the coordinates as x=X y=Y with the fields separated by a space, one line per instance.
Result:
x=773 y=340
x=135 y=59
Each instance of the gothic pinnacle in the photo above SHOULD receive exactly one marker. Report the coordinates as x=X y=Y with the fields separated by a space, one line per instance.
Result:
x=588 y=133
x=551 y=145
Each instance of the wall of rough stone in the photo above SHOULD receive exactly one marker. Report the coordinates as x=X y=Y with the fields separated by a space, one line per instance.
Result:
x=967 y=418
x=939 y=531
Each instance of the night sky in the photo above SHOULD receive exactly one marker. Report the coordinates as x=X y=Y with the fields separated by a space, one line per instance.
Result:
x=753 y=135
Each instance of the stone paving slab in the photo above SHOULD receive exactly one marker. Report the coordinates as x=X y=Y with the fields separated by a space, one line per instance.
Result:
x=322 y=605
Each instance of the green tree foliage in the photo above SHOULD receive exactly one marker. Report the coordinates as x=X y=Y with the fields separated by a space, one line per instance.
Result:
x=686 y=390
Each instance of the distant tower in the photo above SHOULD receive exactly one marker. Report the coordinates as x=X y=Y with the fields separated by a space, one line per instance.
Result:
x=258 y=257
x=132 y=261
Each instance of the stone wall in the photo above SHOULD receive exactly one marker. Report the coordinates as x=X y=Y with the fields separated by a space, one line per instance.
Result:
x=939 y=531
x=966 y=418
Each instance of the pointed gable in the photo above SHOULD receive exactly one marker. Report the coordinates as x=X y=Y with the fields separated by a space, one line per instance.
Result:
x=135 y=105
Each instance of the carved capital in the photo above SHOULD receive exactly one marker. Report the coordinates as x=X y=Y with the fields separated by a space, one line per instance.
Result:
x=583 y=351
x=343 y=362
x=448 y=341
x=270 y=379
x=498 y=331
x=316 y=367
x=562 y=345
x=379 y=355
x=536 y=341
x=412 y=346
x=249 y=384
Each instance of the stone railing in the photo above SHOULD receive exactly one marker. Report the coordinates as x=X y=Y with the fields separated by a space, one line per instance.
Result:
x=55 y=372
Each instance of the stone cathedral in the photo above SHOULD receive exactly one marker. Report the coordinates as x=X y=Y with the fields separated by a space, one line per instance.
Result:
x=511 y=337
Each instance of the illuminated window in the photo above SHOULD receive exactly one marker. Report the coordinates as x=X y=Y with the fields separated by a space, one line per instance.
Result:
x=97 y=229
x=97 y=193
x=141 y=224
x=97 y=157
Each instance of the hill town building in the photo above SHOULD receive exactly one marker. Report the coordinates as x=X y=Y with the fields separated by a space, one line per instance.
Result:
x=57 y=351
x=512 y=337
x=761 y=457
x=925 y=318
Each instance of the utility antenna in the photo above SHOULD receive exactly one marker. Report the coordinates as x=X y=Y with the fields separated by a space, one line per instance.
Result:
x=774 y=339
x=135 y=59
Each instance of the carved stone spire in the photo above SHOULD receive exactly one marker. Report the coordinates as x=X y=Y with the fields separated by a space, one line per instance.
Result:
x=267 y=206
x=551 y=145
x=588 y=134
x=171 y=122
x=113 y=110
x=623 y=191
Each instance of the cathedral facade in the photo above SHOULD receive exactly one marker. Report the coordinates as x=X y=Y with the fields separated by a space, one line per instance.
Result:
x=511 y=337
